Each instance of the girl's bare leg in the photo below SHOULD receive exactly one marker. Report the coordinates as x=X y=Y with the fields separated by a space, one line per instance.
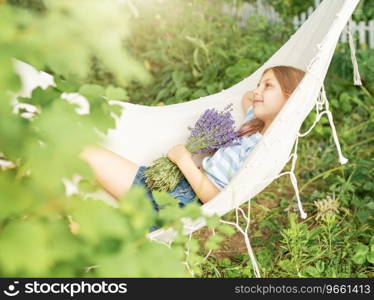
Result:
x=113 y=172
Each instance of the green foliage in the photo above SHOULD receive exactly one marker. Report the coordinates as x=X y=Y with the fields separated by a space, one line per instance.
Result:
x=363 y=253
x=44 y=232
x=364 y=11
x=189 y=53
x=196 y=50
x=34 y=5
x=290 y=8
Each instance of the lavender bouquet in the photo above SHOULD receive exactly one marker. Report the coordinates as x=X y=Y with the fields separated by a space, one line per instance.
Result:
x=212 y=131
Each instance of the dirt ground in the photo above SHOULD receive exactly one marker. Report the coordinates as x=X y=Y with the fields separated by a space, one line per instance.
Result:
x=233 y=244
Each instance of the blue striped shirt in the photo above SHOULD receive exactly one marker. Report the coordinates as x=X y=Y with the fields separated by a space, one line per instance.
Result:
x=226 y=161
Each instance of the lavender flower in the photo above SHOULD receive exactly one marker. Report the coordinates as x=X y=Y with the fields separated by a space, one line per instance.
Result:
x=212 y=131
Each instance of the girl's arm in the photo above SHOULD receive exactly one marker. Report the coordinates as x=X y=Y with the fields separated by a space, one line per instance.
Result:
x=200 y=183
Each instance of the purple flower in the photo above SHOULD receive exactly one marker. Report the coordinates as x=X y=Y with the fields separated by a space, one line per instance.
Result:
x=212 y=131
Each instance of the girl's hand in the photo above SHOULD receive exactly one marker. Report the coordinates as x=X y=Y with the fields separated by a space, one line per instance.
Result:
x=247 y=100
x=178 y=153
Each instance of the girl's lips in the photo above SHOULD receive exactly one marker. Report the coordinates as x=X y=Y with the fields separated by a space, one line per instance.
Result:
x=254 y=101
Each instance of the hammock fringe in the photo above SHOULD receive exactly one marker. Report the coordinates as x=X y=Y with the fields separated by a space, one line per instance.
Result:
x=356 y=73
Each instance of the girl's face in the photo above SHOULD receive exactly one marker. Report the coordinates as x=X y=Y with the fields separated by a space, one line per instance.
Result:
x=268 y=98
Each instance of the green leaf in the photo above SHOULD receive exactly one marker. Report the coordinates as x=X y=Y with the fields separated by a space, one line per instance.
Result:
x=116 y=93
x=42 y=97
x=285 y=264
x=24 y=248
x=370 y=257
x=137 y=208
x=370 y=205
x=196 y=61
x=213 y=221
x=192 y=210
x=23 y=200
x=170 y=214
x=178 y=78
x=226 y=229
x=116 y=109
x=162 y=94
x=214 y=241
x=199 y=93
x=69 y=85
x=164 y=199
x=94 y=94
x=142 y=261
x=193 y=244
x=97 y=220
x=182 y=92
x=212 y=88
x=226 y=262
x=88 y=186
x=361 y=251
x=312 y=271
x=198 y=42
x=210 y=74
x=345 y=102
x=62 y=244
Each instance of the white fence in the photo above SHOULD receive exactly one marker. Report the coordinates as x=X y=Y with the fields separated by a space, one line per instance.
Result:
x=364 y=31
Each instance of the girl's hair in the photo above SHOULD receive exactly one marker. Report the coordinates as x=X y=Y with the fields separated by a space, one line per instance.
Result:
x=288 y=78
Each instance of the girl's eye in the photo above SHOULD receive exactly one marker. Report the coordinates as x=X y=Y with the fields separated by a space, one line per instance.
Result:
x=267 y=84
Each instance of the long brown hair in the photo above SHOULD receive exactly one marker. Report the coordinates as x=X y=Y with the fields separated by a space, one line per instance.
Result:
x=288 y=78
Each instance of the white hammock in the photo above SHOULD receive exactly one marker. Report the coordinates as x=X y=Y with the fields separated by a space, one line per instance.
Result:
x=143 y=133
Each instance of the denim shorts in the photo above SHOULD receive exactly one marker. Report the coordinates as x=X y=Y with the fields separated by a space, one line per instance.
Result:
x=182 y=192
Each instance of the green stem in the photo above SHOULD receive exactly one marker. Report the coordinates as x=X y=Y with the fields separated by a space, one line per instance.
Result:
x=359 y=126
x=366 y=91
x=345 y=184
x=329 y=235
x=321 y=175
x=361 y=142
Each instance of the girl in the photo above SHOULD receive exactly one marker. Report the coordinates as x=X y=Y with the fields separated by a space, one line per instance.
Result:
x=117 y=174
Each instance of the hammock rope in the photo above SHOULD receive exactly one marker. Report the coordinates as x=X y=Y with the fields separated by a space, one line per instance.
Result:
x=343 y=160
x=245 y=235
x=356 y=73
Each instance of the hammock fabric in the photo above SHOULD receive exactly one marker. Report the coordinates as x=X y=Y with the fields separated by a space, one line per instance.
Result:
x=310 y=48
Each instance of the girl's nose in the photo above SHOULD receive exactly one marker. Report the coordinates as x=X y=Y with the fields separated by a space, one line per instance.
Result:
x=257 y=90
x=256 y=94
